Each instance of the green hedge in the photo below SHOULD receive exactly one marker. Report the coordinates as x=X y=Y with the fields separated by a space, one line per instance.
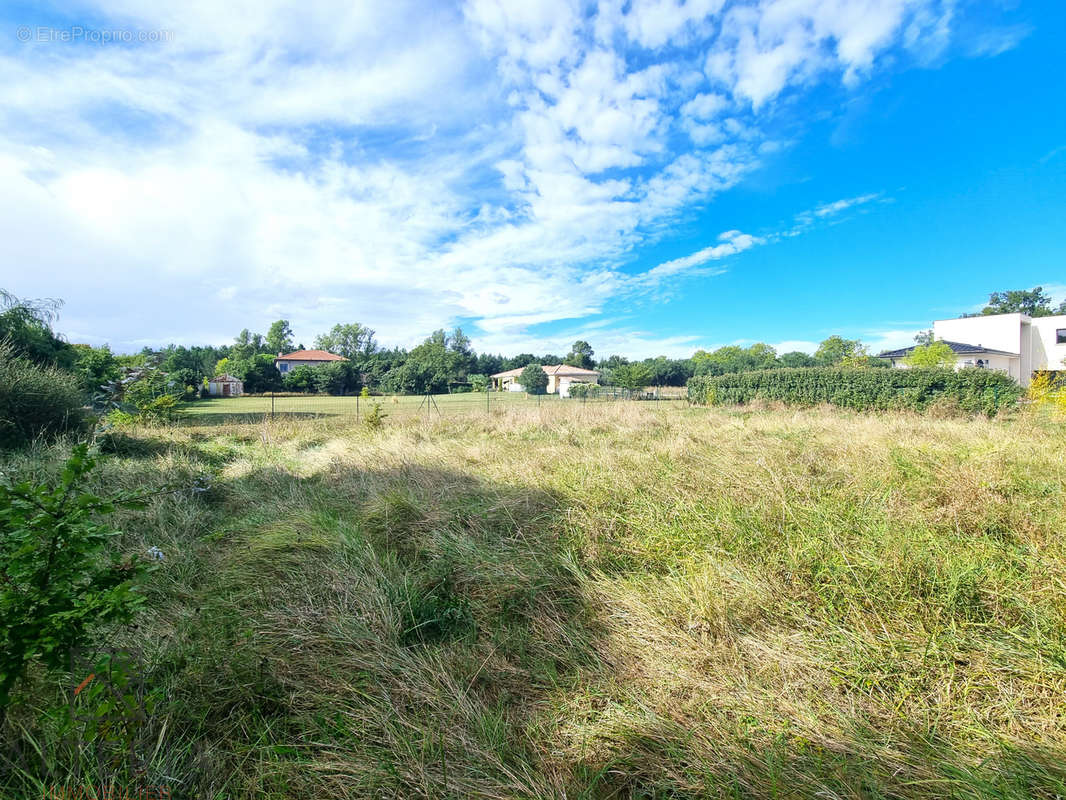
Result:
x=974 y=390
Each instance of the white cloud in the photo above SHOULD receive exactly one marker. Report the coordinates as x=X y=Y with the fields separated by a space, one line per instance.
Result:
x=405 y=164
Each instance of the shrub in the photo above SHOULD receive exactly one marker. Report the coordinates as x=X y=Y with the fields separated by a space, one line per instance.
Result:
x=57 y=581
x=375 y=418
x=533 y=379
x=975 y=390
x=35 y=401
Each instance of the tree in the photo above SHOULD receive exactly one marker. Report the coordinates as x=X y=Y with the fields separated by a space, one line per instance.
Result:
x=934 y=354
x=247 y=344
x=580 y=355
x=796 y=359
x=461 y=356
x=732 y=358
x=1034 y=302
x=924 y=337
x=533 y=379
x=260 y=375
x=353 y=341
x=95 y=366
x=299 y=379
x=835 y=350
x=633 y=377
x=279 y=337
x=27 y=325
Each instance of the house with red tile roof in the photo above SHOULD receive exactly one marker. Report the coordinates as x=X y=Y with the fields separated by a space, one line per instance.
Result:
x=305 y=358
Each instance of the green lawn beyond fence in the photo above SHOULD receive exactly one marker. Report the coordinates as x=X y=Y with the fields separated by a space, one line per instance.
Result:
x=260 y=406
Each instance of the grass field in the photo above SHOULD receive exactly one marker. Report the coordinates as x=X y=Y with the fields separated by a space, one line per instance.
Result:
x=607 y=601
x=325 y=405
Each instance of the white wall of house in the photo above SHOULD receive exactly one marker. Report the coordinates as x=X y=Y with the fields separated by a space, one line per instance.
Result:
x=1035 y=340
x=996 y=332
x=1047 y=351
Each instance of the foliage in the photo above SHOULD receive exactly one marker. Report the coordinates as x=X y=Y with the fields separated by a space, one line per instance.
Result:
x=375 y=417
x=796 y=359
x=1046 y=392
x=58 y=582
x=1034 y=302
x=975 y=390
x=352 y=340
x=36 y=401
x=95 y=366
x=336 y=377
x=734 y=359
x=364 y=392
x=161 y=409
x=633 y=377
x=533 y=379
x=299 y=379
x=479 y=383
x=933 y=354
x=279 y=337
x=27 y=326
x=580 y=355
x=246 y=345
x=836 y=350
x=258 y=374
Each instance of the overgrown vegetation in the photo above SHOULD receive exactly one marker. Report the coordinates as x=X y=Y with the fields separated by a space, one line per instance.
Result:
x=36 y=401
x=970 y=390
x=585 y=602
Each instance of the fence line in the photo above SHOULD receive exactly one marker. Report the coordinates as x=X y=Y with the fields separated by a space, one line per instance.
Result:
x=429 y=406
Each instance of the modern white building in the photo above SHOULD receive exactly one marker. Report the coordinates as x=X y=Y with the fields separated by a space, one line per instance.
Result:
x=1013 y=343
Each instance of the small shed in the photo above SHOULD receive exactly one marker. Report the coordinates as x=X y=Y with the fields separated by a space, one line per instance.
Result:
x=225 y=386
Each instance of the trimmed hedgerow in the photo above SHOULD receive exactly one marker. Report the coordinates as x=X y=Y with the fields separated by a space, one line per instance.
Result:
x=973 y=390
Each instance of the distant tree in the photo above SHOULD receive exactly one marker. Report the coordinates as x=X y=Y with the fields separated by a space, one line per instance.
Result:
x=1034 y=302
x=222 y=367
x=633 y=377
x=279 y=337
x=338 y=377
x=796 y=359
x=479 y=383
x=260 y=375
x=27 y=325
x=934 y=354
x=299 y=379
x=580 y=355
x=835 y=350
x=247 y=344
x=520 y=360
x=924 y=337
x=733 y=358
x=461 y=357
x=95 y=366
x=353 y=341
x=533 y=379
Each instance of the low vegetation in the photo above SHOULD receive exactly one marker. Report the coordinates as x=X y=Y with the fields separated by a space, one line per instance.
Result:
x=975 y=391
x=602 y=601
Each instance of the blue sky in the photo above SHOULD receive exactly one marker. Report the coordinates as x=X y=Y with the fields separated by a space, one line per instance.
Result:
x=652 y=177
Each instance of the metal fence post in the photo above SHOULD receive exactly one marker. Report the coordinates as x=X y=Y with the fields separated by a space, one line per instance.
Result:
x=357 y=408
x=272 y=404
x=488 y=394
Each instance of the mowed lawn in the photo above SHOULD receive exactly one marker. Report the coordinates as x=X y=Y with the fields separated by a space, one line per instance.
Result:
x=327 y=405
x=604 y=601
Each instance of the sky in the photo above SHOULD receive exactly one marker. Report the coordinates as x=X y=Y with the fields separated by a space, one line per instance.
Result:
x=652 y=177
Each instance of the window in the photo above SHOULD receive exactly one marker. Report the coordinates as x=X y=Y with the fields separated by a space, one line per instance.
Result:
x=981 y=363
x=283 y=367
x=1060 y=336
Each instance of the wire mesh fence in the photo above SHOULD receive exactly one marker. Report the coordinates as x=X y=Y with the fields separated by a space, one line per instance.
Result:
x=429 y=406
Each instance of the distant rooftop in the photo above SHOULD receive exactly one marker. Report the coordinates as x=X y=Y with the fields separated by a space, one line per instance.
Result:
x=310 y=355
x=958 y=348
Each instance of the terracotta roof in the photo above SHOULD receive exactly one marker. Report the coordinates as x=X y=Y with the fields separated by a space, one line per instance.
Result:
x=310 y=355
x=225 y=379
x=554 y=369
x=958 y=348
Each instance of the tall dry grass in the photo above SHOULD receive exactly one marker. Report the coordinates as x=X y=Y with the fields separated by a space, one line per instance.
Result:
x=609 y=601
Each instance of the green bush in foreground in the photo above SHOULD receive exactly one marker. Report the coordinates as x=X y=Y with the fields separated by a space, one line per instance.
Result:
x=973 y=390
x=35 y=401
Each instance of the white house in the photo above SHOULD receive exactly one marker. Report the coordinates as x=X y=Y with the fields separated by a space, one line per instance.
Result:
x=1013 y=343
x=560 y=378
